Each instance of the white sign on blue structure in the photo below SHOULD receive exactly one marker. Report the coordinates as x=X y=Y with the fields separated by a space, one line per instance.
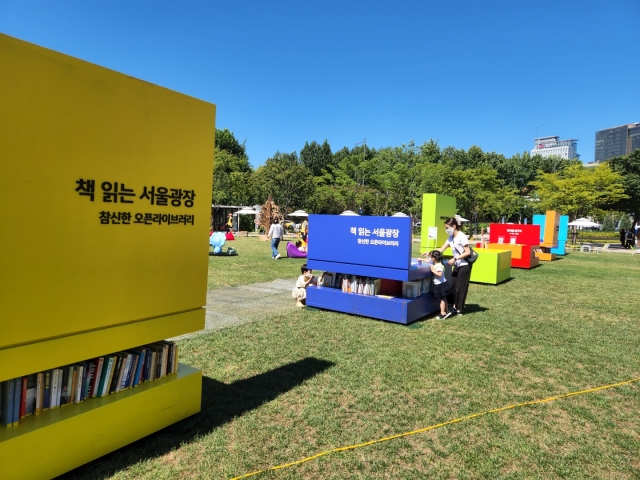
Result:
x=361 y=240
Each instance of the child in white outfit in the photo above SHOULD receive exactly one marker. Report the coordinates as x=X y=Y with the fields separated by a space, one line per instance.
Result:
x=304 y=280
x=441 y=287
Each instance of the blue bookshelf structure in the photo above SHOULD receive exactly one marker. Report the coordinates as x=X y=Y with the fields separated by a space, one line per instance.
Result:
x=375 y=247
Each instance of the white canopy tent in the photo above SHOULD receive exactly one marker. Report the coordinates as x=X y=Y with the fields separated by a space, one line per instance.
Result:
x=584 y=223
x=298 y=213
x=244 y=211
x=350 y=213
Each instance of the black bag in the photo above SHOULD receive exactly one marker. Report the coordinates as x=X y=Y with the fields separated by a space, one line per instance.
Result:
x=473 y=257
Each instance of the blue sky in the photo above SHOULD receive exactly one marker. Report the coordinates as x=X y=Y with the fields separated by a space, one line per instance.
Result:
x=463 y=72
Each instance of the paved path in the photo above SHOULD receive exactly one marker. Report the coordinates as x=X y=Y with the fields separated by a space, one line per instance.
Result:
x=233 y=306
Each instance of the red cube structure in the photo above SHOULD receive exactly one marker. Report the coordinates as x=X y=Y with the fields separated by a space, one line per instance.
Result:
x=522 y=240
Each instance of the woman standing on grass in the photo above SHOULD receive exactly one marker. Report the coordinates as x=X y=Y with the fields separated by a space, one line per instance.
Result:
x=459 y=244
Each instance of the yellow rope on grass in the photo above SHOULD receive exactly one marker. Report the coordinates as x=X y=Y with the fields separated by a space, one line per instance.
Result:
x=432 y=427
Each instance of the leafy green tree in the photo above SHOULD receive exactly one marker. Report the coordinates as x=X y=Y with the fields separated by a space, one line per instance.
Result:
x=232 y=180
x=578 y=191
x=608 y=223
x=625 y=222
x=520 y=170
x=290 y=183
x=629 y=167
x=430 y=152
x=226 y=140
x=316 y=157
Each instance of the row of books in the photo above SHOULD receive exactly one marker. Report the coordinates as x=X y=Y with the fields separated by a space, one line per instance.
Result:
x=351 y=283
x=372 y=286
x=417 y=288
x=73 y=384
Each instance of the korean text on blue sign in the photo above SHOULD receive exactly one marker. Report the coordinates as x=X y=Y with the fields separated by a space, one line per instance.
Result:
x=361 y=240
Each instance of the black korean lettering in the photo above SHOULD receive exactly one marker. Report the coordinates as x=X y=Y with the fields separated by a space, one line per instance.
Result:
x=188 y=196
x=149 y=194
x=124 y=193
x=86 y=187
x=176 y=197
x=104 y=218
x=162 y=196
x=110 y=192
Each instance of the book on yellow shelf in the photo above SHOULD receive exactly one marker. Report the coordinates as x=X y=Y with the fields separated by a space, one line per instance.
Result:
x=122 y=385
x=74 y=384
x=64 y=395
x=54 y=388
x=117 y=370
x=7 y=402
x=46 y=390
x=152 y=365
x=60 y=375
x=39 y=392
x=95 y=381
x=91 y=371
x=82 y=376
x=30 y=403
x=23 y=397
x=106 y=376
x=175 y=358
x=112 y=373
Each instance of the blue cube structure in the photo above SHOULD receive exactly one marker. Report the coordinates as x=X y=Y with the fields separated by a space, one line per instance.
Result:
x=365 y=246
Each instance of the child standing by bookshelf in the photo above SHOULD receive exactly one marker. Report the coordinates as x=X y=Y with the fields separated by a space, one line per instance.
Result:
x=441 y=287
x=304 y=280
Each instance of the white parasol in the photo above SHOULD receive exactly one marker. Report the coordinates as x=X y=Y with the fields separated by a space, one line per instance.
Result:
x=461 y=220
x=350 y=213
x=244 y=211
x=298 y=213
x=584 y=223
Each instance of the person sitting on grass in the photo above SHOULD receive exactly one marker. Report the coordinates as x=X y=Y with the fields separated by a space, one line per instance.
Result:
x=300 y=247
x=440 y=288
x=300 y=292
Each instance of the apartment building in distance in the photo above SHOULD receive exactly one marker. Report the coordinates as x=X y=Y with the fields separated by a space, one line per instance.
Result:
x=617 y=141
x=553 y=146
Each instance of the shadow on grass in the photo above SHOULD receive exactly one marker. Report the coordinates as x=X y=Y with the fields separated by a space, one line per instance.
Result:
x=493 y=285
x=221 y=403
x=473 y=308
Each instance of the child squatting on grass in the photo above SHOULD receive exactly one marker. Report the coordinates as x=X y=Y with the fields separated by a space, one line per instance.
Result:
x=304 y=280
x=441 y=287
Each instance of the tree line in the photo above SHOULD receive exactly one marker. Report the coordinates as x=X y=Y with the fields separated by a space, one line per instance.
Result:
x=487 y=185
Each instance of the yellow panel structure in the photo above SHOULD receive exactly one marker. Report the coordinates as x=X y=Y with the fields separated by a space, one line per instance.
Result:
x=105 y=204
x=60 y=440
x=39 y=356
x=64 y=123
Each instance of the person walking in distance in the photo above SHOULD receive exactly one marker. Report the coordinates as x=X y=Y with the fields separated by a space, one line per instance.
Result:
x=276 y=232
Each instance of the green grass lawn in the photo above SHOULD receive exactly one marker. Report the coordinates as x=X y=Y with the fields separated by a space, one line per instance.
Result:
x=280 y=390
x=252 y=265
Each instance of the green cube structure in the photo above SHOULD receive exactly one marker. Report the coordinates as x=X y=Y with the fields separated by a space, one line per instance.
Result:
x=436 y=209
x=492 y=266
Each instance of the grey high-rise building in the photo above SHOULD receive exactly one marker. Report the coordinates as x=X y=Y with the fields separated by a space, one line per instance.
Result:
x=617 y=141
